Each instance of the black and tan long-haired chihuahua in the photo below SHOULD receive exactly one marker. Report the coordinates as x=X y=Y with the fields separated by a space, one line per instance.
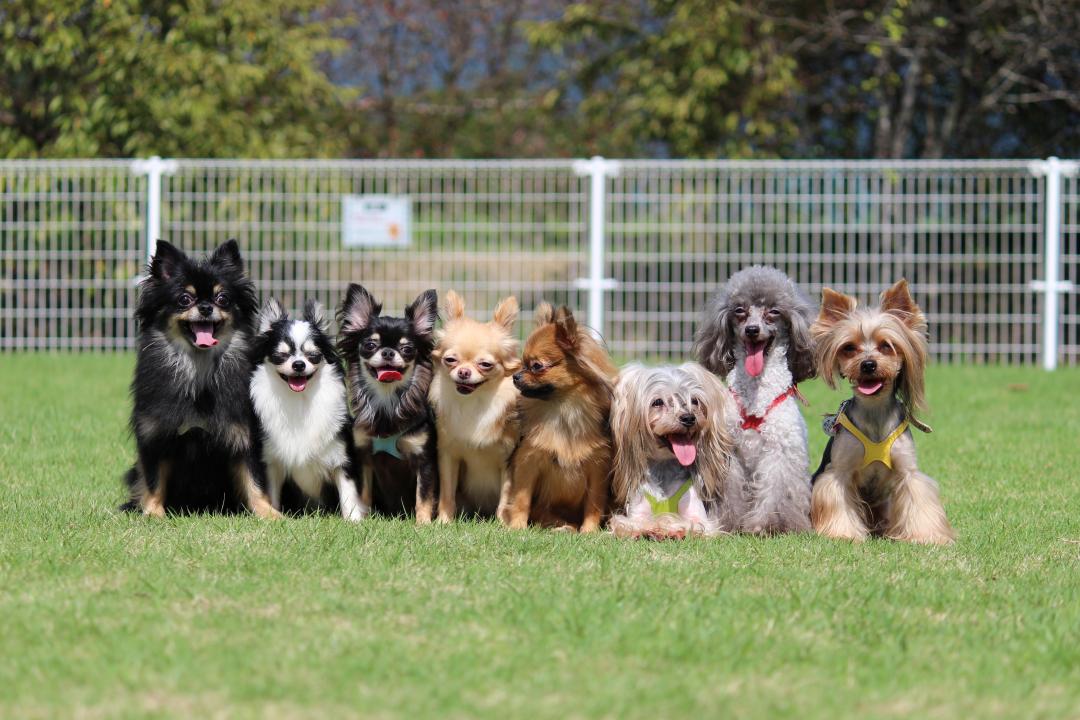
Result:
x=192 y=417
x=389 y=374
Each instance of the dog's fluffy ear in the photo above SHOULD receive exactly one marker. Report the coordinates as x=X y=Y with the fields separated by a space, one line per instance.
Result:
x=714 y=342
x=835 y=307
x=800 y=354
x=228 y=254
x=543 y=314
x=715 y=446
x=423 y=313
x=315 y=313
x=167 y=262
x=506 y=313
x=358 y=309
x=897 y=301
x=566 y=329
x=455 y=306
x=630 y=433
x=271 y=312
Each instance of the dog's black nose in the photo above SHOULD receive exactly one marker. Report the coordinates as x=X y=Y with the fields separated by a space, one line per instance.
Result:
x=518 y=376
x=752 y=331
x=868 y=366
x=206 y=309
x=299 y=365
x=688 y=419
x=388 y=353
x=464 y=373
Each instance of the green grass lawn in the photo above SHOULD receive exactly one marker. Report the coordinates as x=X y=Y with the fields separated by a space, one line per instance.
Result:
x=104 y=614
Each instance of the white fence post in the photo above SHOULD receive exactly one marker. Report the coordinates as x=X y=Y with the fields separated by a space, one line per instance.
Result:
x=599 y=170
x=1051 y=285
x=153 y=168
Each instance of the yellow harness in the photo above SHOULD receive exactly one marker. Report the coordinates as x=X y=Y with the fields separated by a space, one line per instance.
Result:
x=873 y=451
x=670 y=504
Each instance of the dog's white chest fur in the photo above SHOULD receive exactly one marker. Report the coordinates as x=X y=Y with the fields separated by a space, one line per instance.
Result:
x=301 y=430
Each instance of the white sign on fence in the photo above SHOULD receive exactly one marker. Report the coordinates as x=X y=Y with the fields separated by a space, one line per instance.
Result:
x=375 y=220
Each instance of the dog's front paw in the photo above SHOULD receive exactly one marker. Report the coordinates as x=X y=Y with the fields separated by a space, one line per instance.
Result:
x=356 y=514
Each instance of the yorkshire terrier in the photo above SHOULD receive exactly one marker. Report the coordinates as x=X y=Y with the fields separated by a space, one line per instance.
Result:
x=389 y=375
x=756 y=334
x=560 y=471
x=869 y=482
x=475 y=404
x=672 y=454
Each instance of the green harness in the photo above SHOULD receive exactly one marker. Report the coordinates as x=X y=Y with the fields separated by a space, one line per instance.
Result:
x=669 y=504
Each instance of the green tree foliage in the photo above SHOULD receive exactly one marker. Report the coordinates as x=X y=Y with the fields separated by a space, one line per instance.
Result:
x=84 y=78
x=693 y=78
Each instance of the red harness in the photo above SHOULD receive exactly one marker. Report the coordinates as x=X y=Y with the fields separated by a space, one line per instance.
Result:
x=754 y=422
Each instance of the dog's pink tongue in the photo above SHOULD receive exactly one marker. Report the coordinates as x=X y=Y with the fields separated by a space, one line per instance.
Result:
x=869 y=387
x=204 y=334
x=298 y=383
x=389 y=375
x=755 y=359
x=684 y=450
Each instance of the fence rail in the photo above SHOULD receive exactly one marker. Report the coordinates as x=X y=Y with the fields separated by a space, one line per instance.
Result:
x=992 y=248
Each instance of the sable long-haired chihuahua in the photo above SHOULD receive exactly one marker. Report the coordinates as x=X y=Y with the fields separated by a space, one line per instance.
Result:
x=869 y=482
x=298 y=390
x=672 y=472
x=192 y=418
x=389 y=376
x=561 y=470
x=475 y=404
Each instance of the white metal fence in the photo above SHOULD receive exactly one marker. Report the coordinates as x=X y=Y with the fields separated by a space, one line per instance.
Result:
x=636 y=246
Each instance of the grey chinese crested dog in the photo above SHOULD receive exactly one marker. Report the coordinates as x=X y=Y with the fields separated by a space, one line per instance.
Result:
x=192 y=418
x=755 y=333
x=869 y=482
x=673 y=454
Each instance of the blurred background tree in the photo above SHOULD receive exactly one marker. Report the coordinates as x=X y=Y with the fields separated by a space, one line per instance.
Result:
x=540 y=78
x=86 y=78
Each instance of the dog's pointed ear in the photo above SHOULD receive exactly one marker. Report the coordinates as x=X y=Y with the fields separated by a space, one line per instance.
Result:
x=315 y=313
x=543 y=314
x=359 y=308
x=271 y=312
x=423 y=313
x=897 y=301
x=506 y=313
x=167 y=261
x=228 y=253
x=835 y=306
x=566 y=329
x=455 y=306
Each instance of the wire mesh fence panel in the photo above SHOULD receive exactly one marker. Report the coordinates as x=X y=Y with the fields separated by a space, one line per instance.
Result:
x=71 y=238
x=486 y=229
x=1069 y=336
x=967 y=235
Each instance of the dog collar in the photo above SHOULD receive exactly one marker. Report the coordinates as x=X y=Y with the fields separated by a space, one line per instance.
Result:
x=873 y=451
x=670 y=504
x=387 y=444
x=754 y=422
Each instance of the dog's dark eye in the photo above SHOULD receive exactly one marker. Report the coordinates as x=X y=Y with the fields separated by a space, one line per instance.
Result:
x=694 y=402
x=222 y=300
x=772 y=315
x=885 y=348
x=407 y=351
x=185 y=300
x=485 y=365
x=449 y=361
x=849 y=348
x=536 y=367
x=278 y=358
x=658 y=402
x=740 y=311
x=314 y=358
x=371 y=346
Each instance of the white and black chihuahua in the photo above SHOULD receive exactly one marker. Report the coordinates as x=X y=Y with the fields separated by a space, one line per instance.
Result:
x=298 y=390
x=389 y=373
